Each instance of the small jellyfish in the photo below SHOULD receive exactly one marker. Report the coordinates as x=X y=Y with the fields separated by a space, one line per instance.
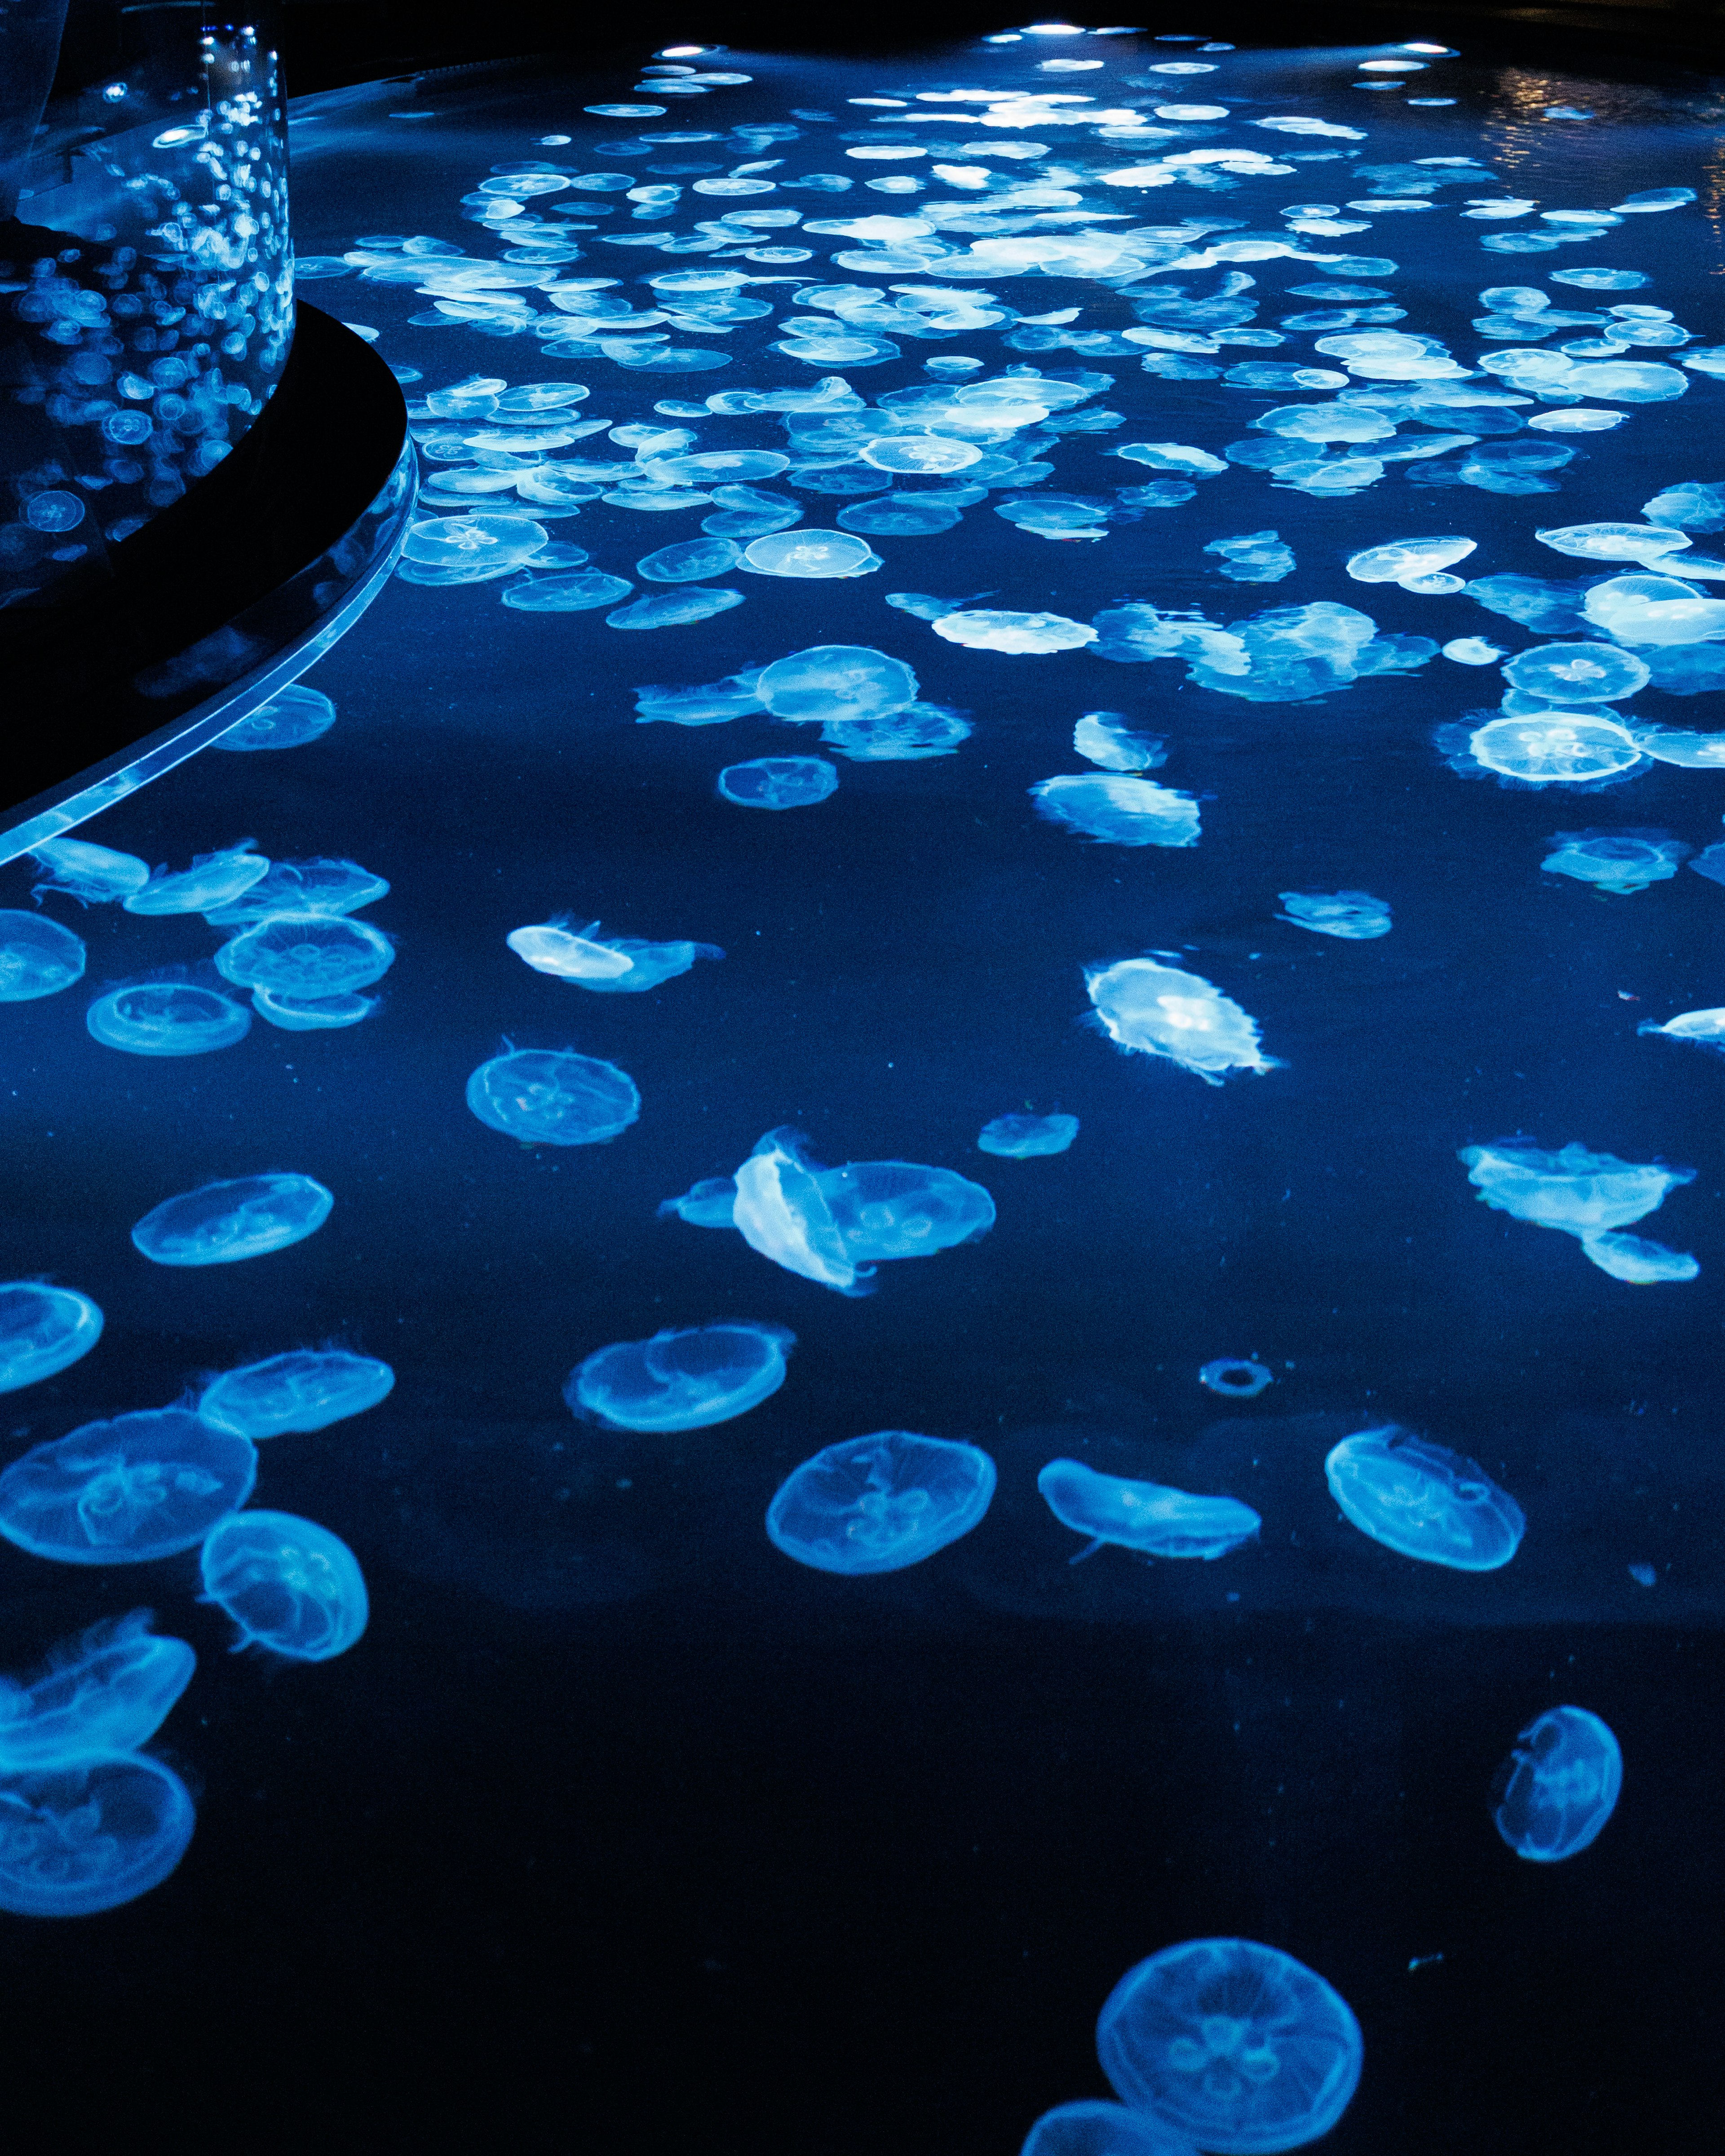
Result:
x=1354 y=915
x=301 y=1390
x=108 y=1691
x=1148 y=1517
x=127 y=1490
x=1705 y=1027
x=1577 y=673
x=309 y=955
x=166 y=1017
x=1423 y=1501
x=880 y=1502
x=313 y=886
x=810 y=553
x=38 y=957
x=1638 y=1260
x=213 y=880
x=831 y=681
x=1569 y=748
x=1237 y=2046
x=711 y=1203
x=987 y=629
x=906 y=736
x=311 y=1014
x=1618 y=861
x=78 y=1839
x=782 y=1212
x=43 y=1331
x=1093 y=2128
x=1027 y=1137
x=779 y=782
x=291 y=717
x=545 y=1096
x=288 y=1584
x=1119 y=810
x=219 y=1224
x=686 y=1380
x=1235 y=1375
x=91 y=874
x=897 y=1208
x=1559 y=1786
x=548 y=948
x=1106 y=739
x=1157 y=1010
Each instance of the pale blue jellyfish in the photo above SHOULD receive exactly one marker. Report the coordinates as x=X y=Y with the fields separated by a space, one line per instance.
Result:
x=1118 y=808
x=676 y=610
x=689 y=560
x=576 y=593
x=110 y=1689
x=549 y=948
x=918 y=732
x=649 y=964
x=1423 y=1501
x=213 y=880
x=291 y=717
x=1157 y=1010
x=1235 y=1375
x=898 y=1209
x=288 y=1584
x=1354 y=915
x=1104 y=738
x=93 y=874
x=547 y=1096
x=779 y=782
x=301 y=1390
x=312 y=886
x=78 y=1839
x=1148 y=1517
x=1238 y=2047
x=810 y=553
x=1566 y=748
x=1705 y=1027
x=836 y=681
x=311 y=1014
x=1577 y=673
x=38 y=957
x=1559 y=1786
x=1620 y=861
x=1027 y=1137
x=43 y=1331
x=1094 y=2128
x=128 y=1490
x=166 y=1017
x=219 y=1224
x=684 y=1380
x=782 y=1212
x=711 y=1203
x=309 y=955
x=880 y=1502
x=1585 y=1194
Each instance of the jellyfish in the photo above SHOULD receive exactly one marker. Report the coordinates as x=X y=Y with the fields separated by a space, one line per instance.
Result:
x=110 y=1689
x=1638 y=1260
x=1354 y=915
x=1403 y=560
x=1569 y=748
x=648 y=963
x=1423 y=1501
x=1581 y=1193
x=311 y=1014
x=166 y=1017
x=1559 y=1786
x=301 y=1390
x=219 y=1224
x=681 y=1380
x=302 y=887
x=1620 y=861
x=38 y=957
x=1027 y=1137
x=549 y=948
x=676 y=610
x=906 y=736
x=1157 y=1010
x=43 y=1331
x=1237 y=2046
x=213 y=880
x=1236 y=1375
x=1577 y=673
x=1091 y=2129
x=545 y=1097
x=985 y=628
x=783 y=1214
x=806 y=553
x=309 y=955
x=689 y=561
x=288 y=1584
x=90 y=1836
x=779 y=782
x=577 y=592
x=1705 y=1027
x=292 y=717
x=711 y=1203
x=880 y=1502
x=1119 y=810
x=1106 y=739
x=1148 y=1517
x=836 y=681
x=897 y=1208
x=128 y=1490
x=93 y=874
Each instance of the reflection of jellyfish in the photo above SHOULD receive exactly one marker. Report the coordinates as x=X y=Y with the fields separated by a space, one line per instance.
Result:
x=1158 y=1010
x=1027 y=1137
x=1240 y=1378
x=1423 y=1501
x=38 y=957
x=307 y=955
x=300 y=1391
x=1355 y=915
x=684 y=1380
x=1559 y=1786
x=546 y=1097
x=779 y=782
x=1237 y=2046
x=1093 y=2128
x=125 y=1491
x=110 y=1689
x=291 y=717
x=93 y=874
x=288 y=1584
x=219 y=1224
x=166 y=1017
x=78 y=1839
x=1148 y=1517
x=43 y=1331
x=213 y=880
x=880 y=1502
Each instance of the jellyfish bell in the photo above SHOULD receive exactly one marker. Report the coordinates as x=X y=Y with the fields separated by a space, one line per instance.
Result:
x=1555 y=748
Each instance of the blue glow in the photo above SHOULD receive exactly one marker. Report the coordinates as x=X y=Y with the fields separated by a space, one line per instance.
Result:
x=38 y=957
x=298 y=1391
x=288 y=1584
x=166 y=1017
x=547 y=1097
x=880 y=1502
x=1423 y=1501
x=213 y=880
x=1238 y=2046
x=1027 y=1137
x=43 y=1330
x=312 y=886
x=95 y=875
x=896 y=1208
x=1354 y=915
x=683 y=1380
x=1559 y=1786
x=219 y=1224
x=78 y=1839
x=1148 y=1517
x=307 y=955
x=125 y=1491
x=108 y=1691
x=292 y=717
x=1101 y=2130
x=1240 y=1379
x=779 y=782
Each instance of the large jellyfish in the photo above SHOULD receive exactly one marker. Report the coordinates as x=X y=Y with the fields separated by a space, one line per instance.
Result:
x=125 y=1491
x=89 y=1835
x=1119 y=810
x=43 y=1331
x=288 y=1584
x=1559 y=1786
x=543 y=1097
x=880 y=1502
x=898 y=1209
x=682 y=1380
x=301 y=1390
x=1706 y=1027
x=1158 y=1010
x=219 y=1224
x=1147 y=1516
x=1423 y=1501
x=1566 y=748
x=836 y=681
x=166 y=1017
x=1581 y=1193
x=38 y=957
x=110 y=1689
x=307 y=955
x=783 y=1214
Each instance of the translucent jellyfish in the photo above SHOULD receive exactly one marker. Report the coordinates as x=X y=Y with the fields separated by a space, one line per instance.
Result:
x=38 y=957
x=1152 y=1010
x=1706 y=1027
x=689 y=561
x=985 y=629
x=1653 y=610
x=1404 y=559
x=300 y=1390
x=1148 y=1517
x=576 y=592
x=1171 y=457
x=548 y=948
x=1576 y=1192
x=1027 y=1137
x=213 y=880
x=1104 y=738
x=906 y=736
x=1423 y=1501
x=1577 y=673
x=1237 y=1376
x=898 y=1209
x=1556 y=1790
x=91 y=874
x=288 y=1584
x=166 y=1017
x=1472 y=651
x=713 y=704
x=1557 y=748
x=1691 y=505
x=1237 y=2046
x=836 y=681
x=1620 y=861
x=219 y=1224
x=291 y=717
x=311 y=1014
x=550 y=1097
x=711 y=1203
x=43 y=1331
x=1354 y=915
x=1638 y=1260
x=649 y=964
x=128 y=1490
x=88 y=1836
x=919 y=454
x=1611 y=542
x=1119 y=810
x=779 y=782
x=677 y=609
x=313 y=886
x=783 y=1214
x=880 y=1502
x=684 y=1380
x=107 y=1690
x=1091 y=2129
x=1255 y=558
x=806 y=553
x=900 y=515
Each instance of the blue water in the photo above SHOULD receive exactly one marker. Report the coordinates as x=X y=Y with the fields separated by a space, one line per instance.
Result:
x=611 y=1791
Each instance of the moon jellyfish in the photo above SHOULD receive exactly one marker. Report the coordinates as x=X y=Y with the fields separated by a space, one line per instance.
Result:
x=779 y=782
x=1240 y=1378
x=1255 y=558
x=548 y=948
x=1577 y=673
x=219 y=1224
x=1354 y=915
x=880 y=1502
x=166 y=1017
x=547 y=1096
x=1148 y=1517
x=1118 y=810
x=92 y=874
x=288 y=1584
x=1104 y=738
x=676 y=610
x=78 y=1839
x=896 y=1208
x=1027 y=1137
x=684 y=1380
x=906 y=736
x=1559 y=1786
x=1620 y=861
x=309 y=955
x=128 y=1490
x=1637 y=1259
x=1706 y=1027
x=1423 y=1501
x=1404 y=559
x=1093 y=2128
x=291 y=717
x=1556 y=747
x=783 y=1214
x=311 y=1014
x=836 y=681
x=689 y=560
x=1578 y=1193
x=38 y=957
x=1653 y=610
x=1237 y=2046
x=649 y=964
x=711 y=1203
x=1611 y=542
x=810 y=553
x=576 y=592
x=313 y=886
x=1150 y=1009
x=213 y=880
x=110 y=1689
x=986 y=629
x=300 y=1390
x=43 y=1331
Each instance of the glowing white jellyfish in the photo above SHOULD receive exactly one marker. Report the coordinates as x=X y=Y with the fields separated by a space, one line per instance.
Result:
x=985 y=629
x=1555 y=748
x=548 y=948
x=1402 y=560
x=1705 y=1027
x=1118 y=809
x=1152 y=1009
x=1588 y=1195
x=1104 y=738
